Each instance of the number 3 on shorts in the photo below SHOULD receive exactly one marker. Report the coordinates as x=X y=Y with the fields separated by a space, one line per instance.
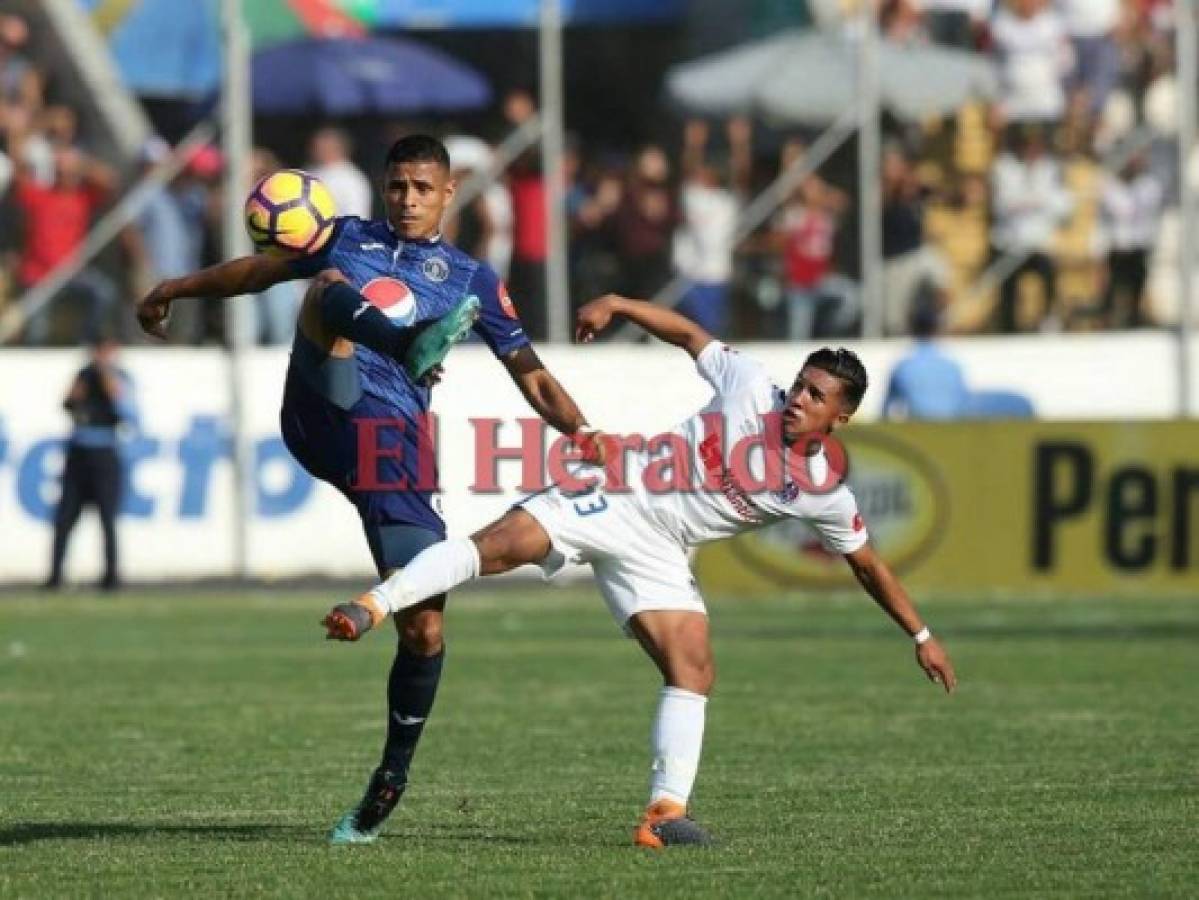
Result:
x=590 y=503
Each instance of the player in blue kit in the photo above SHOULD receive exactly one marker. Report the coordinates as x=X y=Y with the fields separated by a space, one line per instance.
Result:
x=388 y=300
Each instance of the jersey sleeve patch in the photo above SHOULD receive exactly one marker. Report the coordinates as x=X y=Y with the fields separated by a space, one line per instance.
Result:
x=498 y=324
x=839 y=522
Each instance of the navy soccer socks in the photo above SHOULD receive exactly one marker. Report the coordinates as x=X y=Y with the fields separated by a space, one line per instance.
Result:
x=411 y=688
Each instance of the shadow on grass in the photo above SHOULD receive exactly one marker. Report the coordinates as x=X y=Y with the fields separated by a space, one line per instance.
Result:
x=32 y=832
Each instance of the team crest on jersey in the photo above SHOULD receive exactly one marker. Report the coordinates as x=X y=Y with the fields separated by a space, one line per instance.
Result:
x=788 y=494
x=506 y=302
x=393 y=298
x=436 y=269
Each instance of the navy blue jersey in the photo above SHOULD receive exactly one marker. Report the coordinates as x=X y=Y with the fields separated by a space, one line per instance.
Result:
x=412 y=281
x=329 y=404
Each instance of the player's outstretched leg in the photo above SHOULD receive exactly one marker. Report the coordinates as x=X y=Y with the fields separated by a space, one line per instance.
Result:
x=432 y=344
x=512 y=541
x=346 y=313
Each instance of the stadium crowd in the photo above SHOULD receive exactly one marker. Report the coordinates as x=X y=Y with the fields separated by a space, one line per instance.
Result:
x=1052 y=207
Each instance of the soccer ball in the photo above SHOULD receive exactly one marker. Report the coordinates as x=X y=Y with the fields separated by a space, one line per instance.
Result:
x=289 y=213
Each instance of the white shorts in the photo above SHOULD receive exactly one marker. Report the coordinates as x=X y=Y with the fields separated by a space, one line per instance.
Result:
x=637 y=565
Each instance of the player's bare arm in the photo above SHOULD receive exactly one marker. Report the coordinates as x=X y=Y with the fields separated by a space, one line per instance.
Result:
x=880 y=583
x=551 y=401
x=664 y=324
x=244 y=275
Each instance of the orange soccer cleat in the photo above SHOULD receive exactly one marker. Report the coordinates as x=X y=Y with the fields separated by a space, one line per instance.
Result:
x=666 y=824
x=350 y=621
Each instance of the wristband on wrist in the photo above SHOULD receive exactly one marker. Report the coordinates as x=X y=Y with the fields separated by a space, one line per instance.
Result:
x=922 y=636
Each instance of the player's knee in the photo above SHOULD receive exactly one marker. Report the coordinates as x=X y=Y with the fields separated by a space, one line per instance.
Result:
x=421 y=633
x=323 y=280
x=697 y=676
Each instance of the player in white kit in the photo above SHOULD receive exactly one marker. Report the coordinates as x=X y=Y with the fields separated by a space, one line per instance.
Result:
x=754 y=455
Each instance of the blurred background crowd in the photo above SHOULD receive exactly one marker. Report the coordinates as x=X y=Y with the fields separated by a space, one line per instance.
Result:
x=1052 y=204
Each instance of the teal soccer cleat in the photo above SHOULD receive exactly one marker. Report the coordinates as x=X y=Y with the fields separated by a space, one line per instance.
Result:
x=432 y=345
x=362 y=824
x=347 y=832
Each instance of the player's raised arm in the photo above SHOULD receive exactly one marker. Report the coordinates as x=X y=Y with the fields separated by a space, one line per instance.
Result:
x=244 y=275
x=543 y=391
x=664 y=324
x=880 y=583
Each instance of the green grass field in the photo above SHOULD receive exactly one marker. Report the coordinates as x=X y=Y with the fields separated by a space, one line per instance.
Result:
x=169 y=744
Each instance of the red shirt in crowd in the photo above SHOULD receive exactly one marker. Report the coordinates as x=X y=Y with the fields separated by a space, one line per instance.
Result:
x=529 y=240
x=808 y=245
x=56 y=222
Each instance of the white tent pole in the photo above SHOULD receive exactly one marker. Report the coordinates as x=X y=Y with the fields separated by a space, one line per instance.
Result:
x=236 y=140
x=557 y=288
x=1187 y=75
x=870 y=172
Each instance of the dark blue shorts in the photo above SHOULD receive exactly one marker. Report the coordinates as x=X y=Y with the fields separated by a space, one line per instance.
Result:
x=380 y=461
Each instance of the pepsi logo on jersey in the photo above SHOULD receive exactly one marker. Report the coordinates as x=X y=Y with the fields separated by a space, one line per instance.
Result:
x=393 y=298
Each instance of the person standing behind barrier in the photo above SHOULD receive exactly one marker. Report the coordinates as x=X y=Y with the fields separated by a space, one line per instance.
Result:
x=100 y=401
x=706 y=237
x=926 y=384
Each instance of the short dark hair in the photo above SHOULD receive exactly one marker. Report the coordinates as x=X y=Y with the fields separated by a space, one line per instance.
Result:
x=418 y=148
x=846 y=365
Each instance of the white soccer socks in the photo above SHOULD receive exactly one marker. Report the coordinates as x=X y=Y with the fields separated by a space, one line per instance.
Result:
x=676 y=742
x=433 y=571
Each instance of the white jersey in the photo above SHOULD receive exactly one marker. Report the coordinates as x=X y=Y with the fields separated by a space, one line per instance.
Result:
x=684 y=490
x=715 y=504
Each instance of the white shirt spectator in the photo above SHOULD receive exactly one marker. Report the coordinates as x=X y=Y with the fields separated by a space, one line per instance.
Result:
x=703 y=244
x=1034 y=59
x=351 y=189
x=499 y=207
x=1030 y=201
x=1131 y=211
x=1090 y=18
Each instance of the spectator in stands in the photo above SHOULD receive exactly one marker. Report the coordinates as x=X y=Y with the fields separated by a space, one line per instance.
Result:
x=591 y=206
x=956 y=23
x=530 y=238
x=926 y=384
x=159 y=244
x=901 y=21
x=806 y=233
x=100 y=402
x=470 y=228
x=1029 y=201
x=645 y=222
x=329 y=160
x=21 y=82
x=912 y=268
x=1131 y=205
x=1091 y=25
x=56 y=126
x=1035 y=59
x=56 y=219
x=704 y=242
